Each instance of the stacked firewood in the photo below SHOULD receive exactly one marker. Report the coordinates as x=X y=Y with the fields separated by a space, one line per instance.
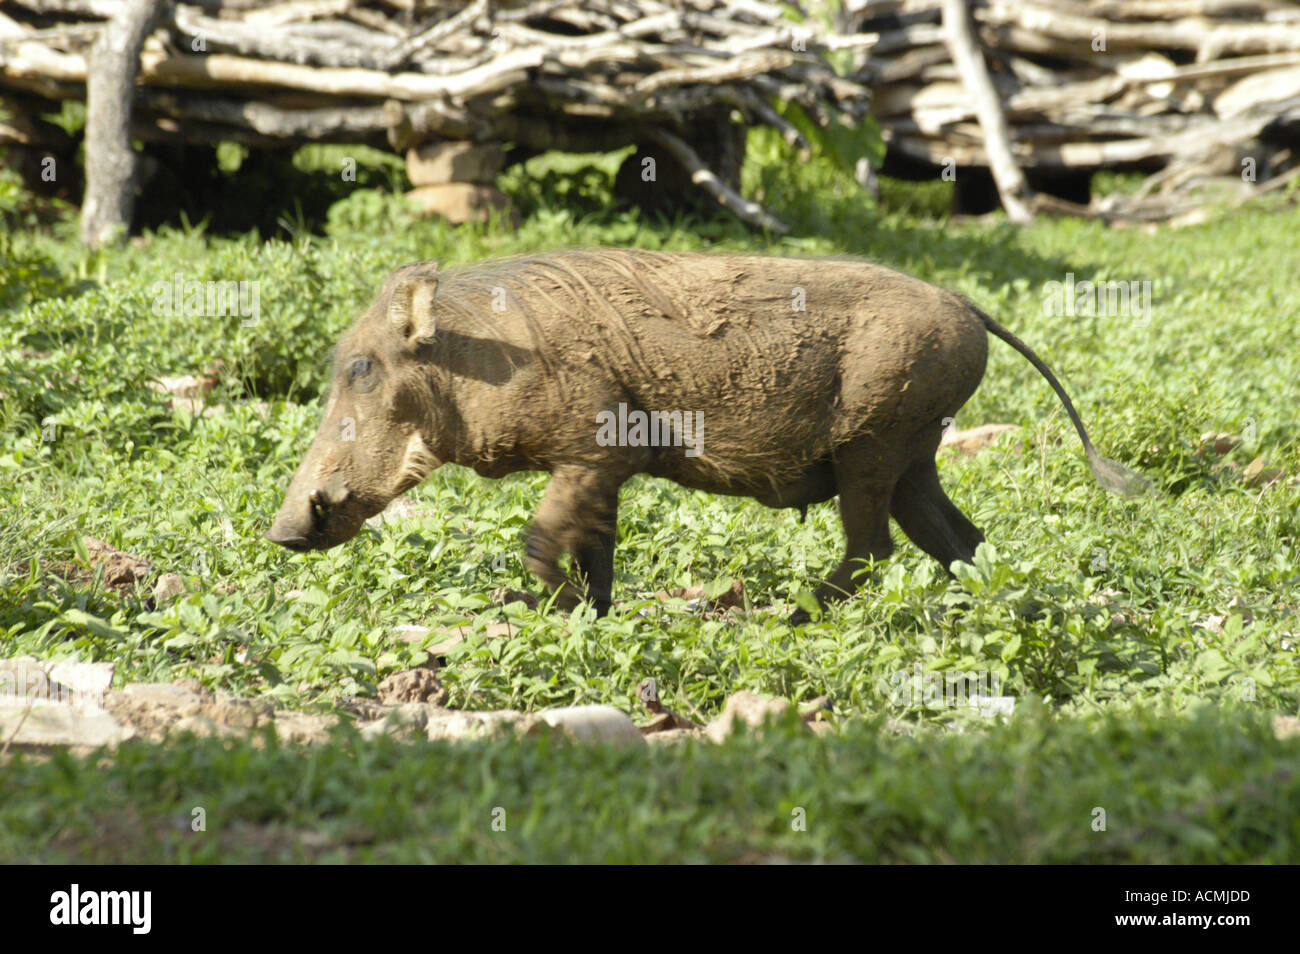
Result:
x=1187 y=89
x=576 y=75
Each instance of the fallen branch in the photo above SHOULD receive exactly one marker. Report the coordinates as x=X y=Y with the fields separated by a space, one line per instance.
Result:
x=743 y=208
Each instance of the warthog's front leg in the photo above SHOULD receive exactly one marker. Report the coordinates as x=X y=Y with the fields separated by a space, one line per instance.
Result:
x=577 y=516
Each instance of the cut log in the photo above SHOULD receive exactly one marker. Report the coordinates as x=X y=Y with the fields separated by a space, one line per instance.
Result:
x=437 y=163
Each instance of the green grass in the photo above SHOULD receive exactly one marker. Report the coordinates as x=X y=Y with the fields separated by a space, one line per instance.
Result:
x=1036 y=791
x=1178 y=606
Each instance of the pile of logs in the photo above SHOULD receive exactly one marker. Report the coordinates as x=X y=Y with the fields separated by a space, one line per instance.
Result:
x=1188 y=89
x=574 y=75
x=1042 y=93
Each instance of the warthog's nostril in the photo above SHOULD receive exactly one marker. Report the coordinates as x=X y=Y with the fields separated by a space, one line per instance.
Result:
x=317 y=511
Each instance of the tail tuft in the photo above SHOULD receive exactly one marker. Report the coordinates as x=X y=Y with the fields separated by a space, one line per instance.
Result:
x=1115 y=477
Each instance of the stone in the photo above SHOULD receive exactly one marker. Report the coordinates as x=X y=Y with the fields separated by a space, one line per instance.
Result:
x=602 y=724
x=153 y=708
x=976 y=439
x=122 y=570
x=438 y=163
x=236 y=713
x=156 y=709
x=732 y=598
x=57 y=703
x=412 y=632
x=185 y=385
x=24 y=680
x=675 y=736
x=745 y=710
x=400 y=510
x=302 y=728
x=990 y=706
x=1259 y=474
x=1216 y=442
x=404 y=721
x=86 y=683
x=168 y=587
x=448 y=725
x=55 y=725
x=204 y=728
x=1286 y=727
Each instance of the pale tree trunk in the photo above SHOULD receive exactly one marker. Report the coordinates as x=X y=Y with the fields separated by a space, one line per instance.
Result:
x=968 y=58
x=110 y=83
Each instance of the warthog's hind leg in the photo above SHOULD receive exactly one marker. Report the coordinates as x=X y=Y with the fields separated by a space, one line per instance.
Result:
x=930 y=519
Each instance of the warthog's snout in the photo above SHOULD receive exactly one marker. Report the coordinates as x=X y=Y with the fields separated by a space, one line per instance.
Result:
x=315 y=518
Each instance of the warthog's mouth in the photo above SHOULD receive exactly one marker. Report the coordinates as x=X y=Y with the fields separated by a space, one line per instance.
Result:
x=318 y=523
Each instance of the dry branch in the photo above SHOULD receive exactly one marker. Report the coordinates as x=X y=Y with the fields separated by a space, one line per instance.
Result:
x=703 y=177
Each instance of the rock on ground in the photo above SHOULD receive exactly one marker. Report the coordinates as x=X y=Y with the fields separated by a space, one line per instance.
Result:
x=594 y=724
x=157 y=709
x=69 y=704
x=976 y=439
x=405 y=721
x=168 y=587
x=1286 y=727
x=45 y=726
x=399 y=510
x=745 y=710
x=455 y=725
x=57 y=704
x=731 y=598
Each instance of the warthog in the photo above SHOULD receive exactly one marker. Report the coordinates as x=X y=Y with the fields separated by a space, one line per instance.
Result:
x=799 y=379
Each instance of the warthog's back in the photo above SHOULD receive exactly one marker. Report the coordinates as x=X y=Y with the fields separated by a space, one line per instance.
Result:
x=784 y=359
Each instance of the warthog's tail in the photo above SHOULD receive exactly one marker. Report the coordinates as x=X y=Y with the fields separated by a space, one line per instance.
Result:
x=1111 y=474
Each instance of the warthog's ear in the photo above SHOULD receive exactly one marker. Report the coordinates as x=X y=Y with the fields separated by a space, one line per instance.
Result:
x=410 y=305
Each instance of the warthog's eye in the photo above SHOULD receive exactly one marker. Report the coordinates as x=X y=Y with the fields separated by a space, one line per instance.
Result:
x=361 y=376
x=359 y=367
